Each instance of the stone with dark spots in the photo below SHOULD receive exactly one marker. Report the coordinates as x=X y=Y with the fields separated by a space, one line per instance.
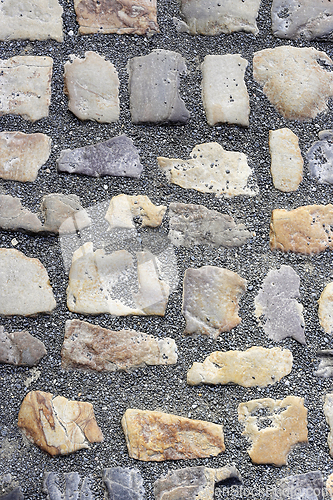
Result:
x=320 y=158
x=123 y=484
x=20 y=348
x=73 y=489
x=307 y=486
x=15 y=494
x=325 y=368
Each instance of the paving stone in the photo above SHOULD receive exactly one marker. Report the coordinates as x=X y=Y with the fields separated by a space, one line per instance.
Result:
x=20 y=348
x=297 y=81
x=155 y=436
x=211 y=169
x=276 y=306
x=15 y=494
x=123 y=209
x=33 y=20
x=57 y=425
x=73 y=489
x=325 y=368
x=136 y=17
x=13 y=217
x=154 y=87
x=117 y=156
x=286 y=160
x=123 y=484
x=300 y=487
x=92 y=347
x=210 y=17
x=320 y=158
x=224 y=92
x=305 y=230
x=274 y=427
x=25 y=288
x=328 y=411
x=92 y=87
x=210 y=300
x=25 y=86
x=329 y=485
x=325 y=310
x=256 y=366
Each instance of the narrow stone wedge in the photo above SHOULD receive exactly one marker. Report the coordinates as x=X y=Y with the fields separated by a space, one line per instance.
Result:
x=286 y=160
x=20 y=348
x=320 y=158
x=124 y=208
x=74 y=487
x=328 y=411
x=123 y=484
x=325 y=310
x=302 y=486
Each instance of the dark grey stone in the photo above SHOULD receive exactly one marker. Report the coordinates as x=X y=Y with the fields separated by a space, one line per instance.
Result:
x=320 y=158
x=123 y=484
x=325 y=368
x=13 y=495
x=301 y=487
x=72 y=488
x=20 y=348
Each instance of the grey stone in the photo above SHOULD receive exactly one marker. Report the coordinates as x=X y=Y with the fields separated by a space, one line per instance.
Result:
x=307 y=486
x=153 y=85
x=325 y=368
x=328 y=411
x=72 y=490
x=123 y=484
x=20 y=348
x=117 y=156
x=320 y=158
x=13 y=217
x=15 y=494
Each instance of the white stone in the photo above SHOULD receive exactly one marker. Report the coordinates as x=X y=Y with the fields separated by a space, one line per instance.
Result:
x=124 y=208
x=286 y=160
x=325 y=310
x=328 y=410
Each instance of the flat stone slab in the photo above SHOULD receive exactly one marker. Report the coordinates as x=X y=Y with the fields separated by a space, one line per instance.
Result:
x=32 y=20
x=117 y=157
x=210 y=300
x=325 y=310
x=25 y=86
x=154 y=87
x=91 y=347
x=305 y=230
x=155 y=436
x=123 y=209
x=286 y=160
x=211 y=169
x=256 y=366
x=325 y=368
x=297 y=81
x=123 y=484
x=20 y=348
x=25 y=288
x=328 y=411
x=320 y=158
x=308 y=486
x=57 y=425
x=224 y=92
x=329 y=485
x=15 y=494
x=92 y=86
x=276 y=307
x=285 y=425
x=74 y=487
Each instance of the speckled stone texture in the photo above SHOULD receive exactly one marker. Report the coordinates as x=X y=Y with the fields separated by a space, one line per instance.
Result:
x=15 y=494
x=73 y=488
x=320 y=158
x=286 y=160
x=308 y=486
x=20 y=348
x=123 y=484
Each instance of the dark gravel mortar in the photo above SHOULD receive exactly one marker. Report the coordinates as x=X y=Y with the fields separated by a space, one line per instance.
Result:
x=165 y=388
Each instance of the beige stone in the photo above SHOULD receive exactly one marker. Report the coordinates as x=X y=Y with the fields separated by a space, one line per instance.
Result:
x=329 y=485
x=156 y=436
x=124 y=208
x=286 y=160
x=328 y=411
x=325 y=310
x=285 y=424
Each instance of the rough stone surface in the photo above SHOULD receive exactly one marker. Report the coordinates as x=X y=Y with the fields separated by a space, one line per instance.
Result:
x=153 y=86
x=297 y=81
x=255 y=367
x=25 y=86
x=13 y=217
x=285 y=425
x=224 y=92
x=305 y=230
x=123 y=484
x=117 y=156
x=276 y=306
x=328 y=411
x=300 y=487
x=325 y=368
x=73 y=489
x=20 y=348
x=210 y=300
x=15 y=494
x=92 y=87
x=320 y=158
x=155 y=436
x=325 y=310
x=24 y=285
x=92 y=347
x=286 y=160
x=123 y=209
x=57 y=425
x=211 y=169
x=329 y=485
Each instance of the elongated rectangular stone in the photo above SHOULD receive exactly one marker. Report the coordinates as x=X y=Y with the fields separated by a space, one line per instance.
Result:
x=320 y=158
x=123 y=484
x=20 y=348
x=325 y=309
x=286 y=160
x=328 y=411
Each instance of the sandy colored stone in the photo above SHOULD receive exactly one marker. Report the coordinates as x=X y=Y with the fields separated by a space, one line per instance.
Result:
x=305 y=230
x=124 y=208
x=57 y=425
x=74 y=488
x=325 y=310
x=20 y=348
x=286 y=160
x=123 y=484
x=211 y=169
x=224 y=93
x=256 y=366
x=155 y=436
x=325 y=368
x=25 y=86
x=92 y=86
x=320 y=158
x=307 y=486
x=285 y=425
x=329 y=485
x=328 y=411
x=297 y=81
x=25 y=288
x=128 y=17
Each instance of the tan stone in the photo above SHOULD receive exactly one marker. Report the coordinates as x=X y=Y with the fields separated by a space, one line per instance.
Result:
x=286 y=160
x=325 y=310
x=328 y=411
x=329 y=485
x=304 y=230
x=124 y=208
x=156 y=436
x=286 y=425
x=57 y=425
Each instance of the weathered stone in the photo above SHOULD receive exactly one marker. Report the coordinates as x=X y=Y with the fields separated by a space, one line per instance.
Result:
x=123 y=484
x=155 y=436
x=193 y=483
x=286 y=160
x=73 y=489
x=297 y=81
x=92 y=87
x=328 y=411
x=22 y=155
x=25 y=86
x=304 y=230
x=117 y=156
x=329 y=485
x=15 y=494
x=300 y=487
x=285 y=425
x=224 y=92
x=276 y=306
x=211 y=169
x=92 y=347
x=210 y=17
x=320 y=158
x=153 y=86
x=25 y=288
x=325 y=310
x=13 y=217
x=57 y=425
x=124 y=208
x=210 y=300
x=255 y=367
x=33 y=20
x=20 y=348
x=306 y=19
x=325 y=368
